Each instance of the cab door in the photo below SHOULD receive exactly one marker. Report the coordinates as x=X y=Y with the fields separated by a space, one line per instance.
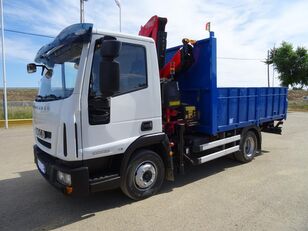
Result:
x=110 y=125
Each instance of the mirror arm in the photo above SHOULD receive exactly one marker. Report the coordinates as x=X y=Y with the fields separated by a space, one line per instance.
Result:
x=32 y=67
x=43 y=68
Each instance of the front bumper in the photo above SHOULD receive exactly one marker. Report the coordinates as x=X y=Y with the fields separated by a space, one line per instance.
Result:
x=81 y=184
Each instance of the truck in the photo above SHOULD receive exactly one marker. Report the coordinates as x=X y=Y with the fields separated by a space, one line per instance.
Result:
x=117 y=110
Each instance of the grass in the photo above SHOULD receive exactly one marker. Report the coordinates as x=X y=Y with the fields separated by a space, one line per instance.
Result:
x=296 y=100
x=298 y=106
x=17 y=113
x=20 y=94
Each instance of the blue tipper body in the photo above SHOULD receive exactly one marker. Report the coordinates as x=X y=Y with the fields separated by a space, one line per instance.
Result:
x=225 y=109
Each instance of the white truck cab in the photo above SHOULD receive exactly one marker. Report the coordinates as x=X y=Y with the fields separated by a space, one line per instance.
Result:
x=80 y=129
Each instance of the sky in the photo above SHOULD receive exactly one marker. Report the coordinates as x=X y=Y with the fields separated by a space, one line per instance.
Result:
x=245 y=29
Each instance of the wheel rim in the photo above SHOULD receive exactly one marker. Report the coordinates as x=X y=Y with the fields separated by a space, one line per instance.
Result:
x=145 y=175
x=249 y=146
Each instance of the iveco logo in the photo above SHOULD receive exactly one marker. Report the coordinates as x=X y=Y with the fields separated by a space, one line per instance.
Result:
x=40 y=133
x=41 y=108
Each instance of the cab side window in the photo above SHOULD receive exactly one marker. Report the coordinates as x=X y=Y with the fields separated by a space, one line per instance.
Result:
x=133 y=72
x=133 y=69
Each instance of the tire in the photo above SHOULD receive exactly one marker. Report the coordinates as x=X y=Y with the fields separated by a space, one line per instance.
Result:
x=143 y=176
x=248 y=147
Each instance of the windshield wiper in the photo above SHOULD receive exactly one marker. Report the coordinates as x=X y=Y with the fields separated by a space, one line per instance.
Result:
x=39 y=98
x=52 y=97
x=47 y=97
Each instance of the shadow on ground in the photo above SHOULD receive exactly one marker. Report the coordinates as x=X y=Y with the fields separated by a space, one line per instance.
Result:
x=30 y=203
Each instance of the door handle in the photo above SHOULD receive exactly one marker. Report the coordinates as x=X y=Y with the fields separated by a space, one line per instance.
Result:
x=146 y=126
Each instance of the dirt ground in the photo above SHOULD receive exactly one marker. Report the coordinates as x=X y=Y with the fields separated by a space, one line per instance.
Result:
x=269 y=193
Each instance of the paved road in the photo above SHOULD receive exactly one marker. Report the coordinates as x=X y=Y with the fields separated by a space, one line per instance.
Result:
x=270 y=193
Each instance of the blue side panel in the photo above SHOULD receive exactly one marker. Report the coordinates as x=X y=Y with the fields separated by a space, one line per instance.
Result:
x=225 y=109
x=240 y=107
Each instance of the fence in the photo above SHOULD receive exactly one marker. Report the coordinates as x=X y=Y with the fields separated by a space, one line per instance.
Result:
x=17 y=110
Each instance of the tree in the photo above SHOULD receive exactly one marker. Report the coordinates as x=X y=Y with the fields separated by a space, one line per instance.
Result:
x=292 y=65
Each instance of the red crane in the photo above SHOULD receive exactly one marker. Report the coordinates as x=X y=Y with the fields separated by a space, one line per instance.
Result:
x=182 y=59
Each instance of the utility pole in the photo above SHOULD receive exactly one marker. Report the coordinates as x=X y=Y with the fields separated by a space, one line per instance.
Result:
x=273 y=67
x=4 y=69
x=273 y=80
x=268 y=71
x=82 y=10
x=120 y=13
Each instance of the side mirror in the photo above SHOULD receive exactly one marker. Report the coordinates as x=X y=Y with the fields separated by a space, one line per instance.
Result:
x=110 y=47
x=31 y=68
x=109 y=68
x=48 y=73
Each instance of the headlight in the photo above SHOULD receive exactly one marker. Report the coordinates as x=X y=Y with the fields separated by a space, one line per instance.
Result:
x=64 y=178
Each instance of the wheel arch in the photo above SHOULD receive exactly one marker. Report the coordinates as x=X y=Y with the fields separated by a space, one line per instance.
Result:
x=159 y=143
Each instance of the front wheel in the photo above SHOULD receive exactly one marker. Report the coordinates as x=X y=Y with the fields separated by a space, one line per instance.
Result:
x=248 y=147
x=144 y=175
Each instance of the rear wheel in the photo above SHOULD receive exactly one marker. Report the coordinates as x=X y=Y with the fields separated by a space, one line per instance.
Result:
x=144 y=175
x=248 y=147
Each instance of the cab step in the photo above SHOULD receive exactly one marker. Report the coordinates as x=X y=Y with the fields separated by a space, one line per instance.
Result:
x=212 y=156
x=214 y=144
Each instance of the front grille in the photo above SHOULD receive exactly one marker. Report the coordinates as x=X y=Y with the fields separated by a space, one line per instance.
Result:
x=47 y=134
x=44 y=143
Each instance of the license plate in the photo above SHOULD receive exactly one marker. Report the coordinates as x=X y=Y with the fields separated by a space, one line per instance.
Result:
x=41 y=166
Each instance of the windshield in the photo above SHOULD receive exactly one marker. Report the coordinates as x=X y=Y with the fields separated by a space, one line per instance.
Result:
x=62 y=82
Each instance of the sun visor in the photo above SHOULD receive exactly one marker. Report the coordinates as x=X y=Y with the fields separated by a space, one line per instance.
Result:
x=76 y=33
